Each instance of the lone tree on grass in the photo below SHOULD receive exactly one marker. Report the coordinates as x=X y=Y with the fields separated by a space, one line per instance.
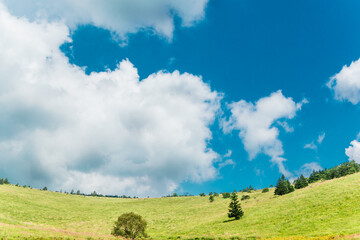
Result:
x=235 y=210
x=130 y=225
x=211 y=198
x=283 y=186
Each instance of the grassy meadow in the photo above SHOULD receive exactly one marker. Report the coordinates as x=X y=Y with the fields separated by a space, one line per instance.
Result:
x=322 y=210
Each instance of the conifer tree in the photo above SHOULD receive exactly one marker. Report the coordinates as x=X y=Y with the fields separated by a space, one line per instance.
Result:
x=235 y=210
x=301 y=182
x=283 y=186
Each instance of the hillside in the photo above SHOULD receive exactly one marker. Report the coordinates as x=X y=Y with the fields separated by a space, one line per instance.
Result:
x=327 y=208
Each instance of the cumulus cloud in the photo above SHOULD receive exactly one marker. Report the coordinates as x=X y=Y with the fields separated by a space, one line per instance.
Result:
x=346 y=83
x=119 y=16
x=353 y=151
x=107 y=131
x=255 y=123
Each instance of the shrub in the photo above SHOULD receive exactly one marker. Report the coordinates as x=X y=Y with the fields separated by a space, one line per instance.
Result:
x=225 y=195
x=130 y=225
x=283 y=186
x=265 y=190
x=202 y=194
x=245 y=197
x=235 y=210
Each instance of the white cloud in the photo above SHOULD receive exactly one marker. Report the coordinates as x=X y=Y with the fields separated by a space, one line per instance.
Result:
x=109 y=131
x=353 y=151
x=286 y=126
x=307 y=169
x=314 y=145
x=119 y=16
x=346 y=83
x=227 y=162
x=311 y=145
x=255 y=123
x=321 y=138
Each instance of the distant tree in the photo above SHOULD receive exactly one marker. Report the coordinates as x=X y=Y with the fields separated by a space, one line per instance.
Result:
x=235 y=210
x=17 y=185
x=245 y=197
x=301 y=182
x=1 y=181
x=6 y=181
x=94 y=193
x=44 y=189
x=210 y=193
x=72 y=191
x=78 y=192
x=130 y=225
x=225 y=195
x=211 y=198
x=202 y=194
x=175 y=195
x=283 y=186
x=265 y=190
x=216 y=194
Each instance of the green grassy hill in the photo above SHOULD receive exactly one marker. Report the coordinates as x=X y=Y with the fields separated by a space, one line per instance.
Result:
x=328 y=208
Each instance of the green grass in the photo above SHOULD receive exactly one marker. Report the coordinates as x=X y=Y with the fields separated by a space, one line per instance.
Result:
x=329 y=208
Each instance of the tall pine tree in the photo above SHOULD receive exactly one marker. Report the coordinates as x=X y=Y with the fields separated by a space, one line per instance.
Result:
x=235 y=210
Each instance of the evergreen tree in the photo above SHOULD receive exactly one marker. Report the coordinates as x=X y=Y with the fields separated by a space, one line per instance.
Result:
x=211 y=198
x=301 y=182
x=6 y=181
x=235 y=210
x=283 y=186
x=1 y=181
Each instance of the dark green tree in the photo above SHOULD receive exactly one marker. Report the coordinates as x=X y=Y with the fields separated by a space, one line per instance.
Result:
x=225 y=195
x=245 y=197
x=301 y=182
x=235 y=210
x=44 y=189
x=6 y=181
x=202 y=194
x=265 y=190
x=283 y=186
x=130 y=225
x=1 y=181
x=211 y=198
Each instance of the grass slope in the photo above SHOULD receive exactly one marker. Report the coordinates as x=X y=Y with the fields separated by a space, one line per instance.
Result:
x=324 y=208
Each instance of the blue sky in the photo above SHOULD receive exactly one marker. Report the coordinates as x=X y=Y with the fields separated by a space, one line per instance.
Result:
x=244 y=50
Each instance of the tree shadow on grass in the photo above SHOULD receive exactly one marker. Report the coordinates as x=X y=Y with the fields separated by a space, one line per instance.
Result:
x=229 y=220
